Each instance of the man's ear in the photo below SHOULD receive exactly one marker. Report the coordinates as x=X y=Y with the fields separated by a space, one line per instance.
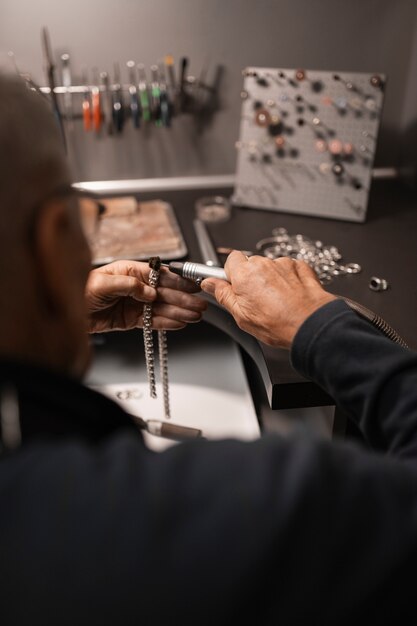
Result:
x=52 y=246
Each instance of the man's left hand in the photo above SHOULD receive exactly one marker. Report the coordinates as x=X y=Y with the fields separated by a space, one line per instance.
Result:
x=116 y=294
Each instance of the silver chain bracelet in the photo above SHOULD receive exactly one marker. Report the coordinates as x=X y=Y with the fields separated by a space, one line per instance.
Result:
x=155 y=266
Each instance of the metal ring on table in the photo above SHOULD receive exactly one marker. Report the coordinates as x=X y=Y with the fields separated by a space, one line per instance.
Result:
x=378 y=284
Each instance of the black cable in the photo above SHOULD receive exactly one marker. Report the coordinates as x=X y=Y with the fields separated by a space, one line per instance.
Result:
x=376 y=321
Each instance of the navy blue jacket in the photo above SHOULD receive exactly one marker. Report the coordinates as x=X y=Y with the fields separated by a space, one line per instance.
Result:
x=97 y=529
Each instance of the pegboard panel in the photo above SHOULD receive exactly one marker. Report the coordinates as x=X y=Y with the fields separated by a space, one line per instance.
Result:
x=307 y=141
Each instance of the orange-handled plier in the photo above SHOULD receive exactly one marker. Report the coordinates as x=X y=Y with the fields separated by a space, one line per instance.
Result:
x=95 y=102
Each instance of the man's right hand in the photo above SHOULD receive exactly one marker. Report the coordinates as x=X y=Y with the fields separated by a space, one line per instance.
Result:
x=268 y=299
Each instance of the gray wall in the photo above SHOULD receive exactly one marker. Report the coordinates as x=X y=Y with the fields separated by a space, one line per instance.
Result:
x=356 y=35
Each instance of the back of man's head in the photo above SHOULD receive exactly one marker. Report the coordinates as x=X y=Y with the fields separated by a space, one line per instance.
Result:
x=44 y=259
x=32 y=159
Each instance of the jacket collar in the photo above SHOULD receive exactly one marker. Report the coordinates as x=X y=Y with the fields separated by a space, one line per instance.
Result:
x=52 y=405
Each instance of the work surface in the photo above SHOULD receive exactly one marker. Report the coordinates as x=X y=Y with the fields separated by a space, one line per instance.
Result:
x=385 y=246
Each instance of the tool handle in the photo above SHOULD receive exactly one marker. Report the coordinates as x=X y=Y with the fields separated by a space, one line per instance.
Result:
x=87 y=114
x=171 y=431
x=95 y=102
x=135 y=108
x=118 y=112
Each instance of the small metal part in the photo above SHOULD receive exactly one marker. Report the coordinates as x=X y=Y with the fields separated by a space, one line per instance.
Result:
x=376 y=81
x=300 y=75
x=347 y=83
x=355 y=104
x=364 y=149
x=321 y=145
x=368 y=135
x=378 y=284
x=371 y=105
x=263 y=118
x=325 y=168
x=338 y=169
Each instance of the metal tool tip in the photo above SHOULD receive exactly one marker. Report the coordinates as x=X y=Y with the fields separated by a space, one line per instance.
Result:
x=155 y=263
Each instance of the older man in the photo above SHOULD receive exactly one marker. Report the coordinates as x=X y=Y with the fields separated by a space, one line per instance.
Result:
x=97 y=529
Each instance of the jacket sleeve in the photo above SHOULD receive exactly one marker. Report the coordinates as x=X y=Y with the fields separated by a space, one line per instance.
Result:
x=372 y=379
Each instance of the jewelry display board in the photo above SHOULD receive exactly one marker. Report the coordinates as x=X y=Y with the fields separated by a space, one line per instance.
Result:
x=307 y=141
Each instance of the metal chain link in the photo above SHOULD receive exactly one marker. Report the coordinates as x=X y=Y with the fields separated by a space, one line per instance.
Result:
x=163 y=365
x=155 y=265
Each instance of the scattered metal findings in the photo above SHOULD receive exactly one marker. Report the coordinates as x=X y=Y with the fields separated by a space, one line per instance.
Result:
x=326 y=260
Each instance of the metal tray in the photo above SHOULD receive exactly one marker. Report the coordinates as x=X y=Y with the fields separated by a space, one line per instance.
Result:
x=129 y=229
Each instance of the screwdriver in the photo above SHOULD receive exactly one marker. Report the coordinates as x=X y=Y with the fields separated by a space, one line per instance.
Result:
x=117 y=101
x=86 y=103
x=143 y=94
x=108 y=102
x=166 y=107
x=66 y=81
x=96 y=102
x=155 y=96
x=133 y=91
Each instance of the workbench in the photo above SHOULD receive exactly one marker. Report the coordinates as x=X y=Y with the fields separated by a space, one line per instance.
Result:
x=384 y=246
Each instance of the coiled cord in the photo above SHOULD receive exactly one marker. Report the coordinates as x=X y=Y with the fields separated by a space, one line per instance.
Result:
x=376 y=321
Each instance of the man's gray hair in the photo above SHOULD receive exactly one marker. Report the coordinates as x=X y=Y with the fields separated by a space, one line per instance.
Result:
x=32 y=155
